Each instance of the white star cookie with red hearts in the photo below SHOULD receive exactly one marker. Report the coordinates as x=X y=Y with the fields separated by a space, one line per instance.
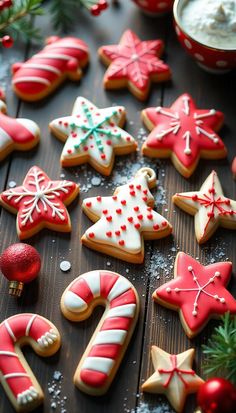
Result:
x=209 y=206
x=124 y=220
x=93 y=135
x=173 y=376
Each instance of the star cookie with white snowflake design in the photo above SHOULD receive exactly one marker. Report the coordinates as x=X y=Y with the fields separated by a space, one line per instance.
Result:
x=134 y=64
x=124 y=220
x=183 y=133
x=40 y=203
x=209 y=206
x=16 y=134
x=173 y=376
x=198 y=292
x=93 y=135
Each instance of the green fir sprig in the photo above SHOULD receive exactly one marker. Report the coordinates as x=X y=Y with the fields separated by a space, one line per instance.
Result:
x=220 y=350
x=64 y=13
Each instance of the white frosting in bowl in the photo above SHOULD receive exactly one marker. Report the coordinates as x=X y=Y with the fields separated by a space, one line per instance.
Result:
x=211 y=22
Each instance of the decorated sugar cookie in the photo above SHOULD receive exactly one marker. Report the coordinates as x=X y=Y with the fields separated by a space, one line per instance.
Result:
x=134 y=64
x=234 y=168
x=174 y=376
x=105 y=351
x=40 y=203
x=93 y=135
x=124 y=220
x=16 y=134
x=183 y=133
x=16 y=377
x=209 y=206
x=61 y=58
x=197 y=292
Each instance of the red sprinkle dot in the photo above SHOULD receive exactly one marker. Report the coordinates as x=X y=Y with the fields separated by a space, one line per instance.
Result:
x=91 y=235
x=227 y=201
x=156 y=227
x=109 y=219
x=130 y=219
x=119 y=211
x=140 y=217
x=123 y=202
x=164 y=224
x=149 y=209
x=109 y=234
x=150 y=216
x=144 y=199
x=137 y=226
x=117 y=233
x=136 y=208
x=108 y=143
x=128 y=138
x=145 y=191
x=88 y=204
x=105 y=211
x=138 y=186
x=131 y=186
x=85 y=148
x=114 y=197
x=194 y=197
x=123 y=227
x=99 y=198
x=103 y=156
x=132 y=193
x=122 y=242
x=212 y=191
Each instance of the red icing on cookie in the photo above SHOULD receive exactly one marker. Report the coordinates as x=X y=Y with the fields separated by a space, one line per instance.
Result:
x=40 y=202
x=184 y=130
x=199 y=292
x=93 y=378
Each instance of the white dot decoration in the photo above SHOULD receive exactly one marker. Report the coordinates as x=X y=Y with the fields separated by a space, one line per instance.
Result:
x=221 y=63
x=190 y=268
x=217 y=273
x=188 y=44
x=199 y=57
x=65 y=266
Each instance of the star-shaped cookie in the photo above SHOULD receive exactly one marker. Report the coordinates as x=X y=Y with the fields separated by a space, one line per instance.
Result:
x=16 y=134
x=209 y=206
x=40 y=203
x=134 y=64
x=197 y=292
x=183 y=133
x=173 y=376
x=124 y=220
x=93 y=135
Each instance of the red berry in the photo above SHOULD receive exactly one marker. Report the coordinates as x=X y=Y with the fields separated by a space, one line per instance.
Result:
x=7 y=41
x=103 y=4
x=95 y=10
x=7 y=4
x=2 y=5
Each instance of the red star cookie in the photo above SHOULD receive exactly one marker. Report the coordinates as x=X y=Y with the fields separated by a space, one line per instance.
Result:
x=183 y=133
x=197 y=292
x=124 y=220
x=16 y=134
x=173 y=376
x=40 y=203
x=134 y=64
x=209 y=206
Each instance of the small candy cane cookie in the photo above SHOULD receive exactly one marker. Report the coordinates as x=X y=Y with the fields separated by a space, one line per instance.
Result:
x=40 y=203
x=45 y=71
x=209 y=206
x=197 y=292
x=16 y=134
x=93 y=135
x=16 y=377
x=104 y=353
x=183 y=133
x=125 y=219
x=134 y=64
x=173 y=376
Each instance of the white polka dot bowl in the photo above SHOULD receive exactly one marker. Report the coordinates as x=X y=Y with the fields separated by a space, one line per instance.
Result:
x=211 y=59
x=155 y=8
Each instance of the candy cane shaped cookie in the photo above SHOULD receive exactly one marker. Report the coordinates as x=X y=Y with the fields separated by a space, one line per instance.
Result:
x=61 y=58
x=16 y=376
x=104 y=353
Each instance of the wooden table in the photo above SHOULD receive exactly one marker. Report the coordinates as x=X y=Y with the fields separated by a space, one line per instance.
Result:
x=156 y=324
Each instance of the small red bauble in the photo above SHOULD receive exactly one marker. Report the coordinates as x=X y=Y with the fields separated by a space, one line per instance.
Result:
x=95 y=10
x=217 y=395
x=103 y=4
x=7 y=41
x=20 y=263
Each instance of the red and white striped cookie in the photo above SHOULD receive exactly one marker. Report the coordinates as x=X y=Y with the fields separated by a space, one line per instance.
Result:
x=16 y=134
x=103 y=355
x=61 y=58
x=16 y=377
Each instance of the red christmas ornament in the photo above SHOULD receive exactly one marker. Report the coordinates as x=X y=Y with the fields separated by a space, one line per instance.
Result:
x=7 y=41
x=103 y=4
x=20 y=263
x=217 y=395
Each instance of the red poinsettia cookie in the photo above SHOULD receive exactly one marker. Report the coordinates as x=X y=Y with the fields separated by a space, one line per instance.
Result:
x=40 y=203
x=183 y=133
x=134 y=63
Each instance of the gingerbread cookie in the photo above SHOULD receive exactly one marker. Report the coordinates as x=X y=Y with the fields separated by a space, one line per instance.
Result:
x=125 y=219
x=197 y=292
x=173 y=376
x=45 y=71
x=134 y=64
x=106 y=349
x=234 y=167
x=93 y=135
x=183 y=133
x=40 y=203
x=16 y=377
x=209 y=206
x=16 y=134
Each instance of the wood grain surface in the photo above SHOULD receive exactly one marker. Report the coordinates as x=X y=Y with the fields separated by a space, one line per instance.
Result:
x=156 y=325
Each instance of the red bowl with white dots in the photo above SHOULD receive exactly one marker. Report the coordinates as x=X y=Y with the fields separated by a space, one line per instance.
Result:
x=155 y=7
x=209 y=58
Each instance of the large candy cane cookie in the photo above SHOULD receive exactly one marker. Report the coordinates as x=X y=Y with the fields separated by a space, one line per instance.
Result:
x=104 y=353
x=16 y=134
x=18 y=380
x=125 y=219
x=43 y=72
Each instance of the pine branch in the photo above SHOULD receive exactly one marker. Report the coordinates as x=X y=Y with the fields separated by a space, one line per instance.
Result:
x=64 y=13
x=221 y=350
